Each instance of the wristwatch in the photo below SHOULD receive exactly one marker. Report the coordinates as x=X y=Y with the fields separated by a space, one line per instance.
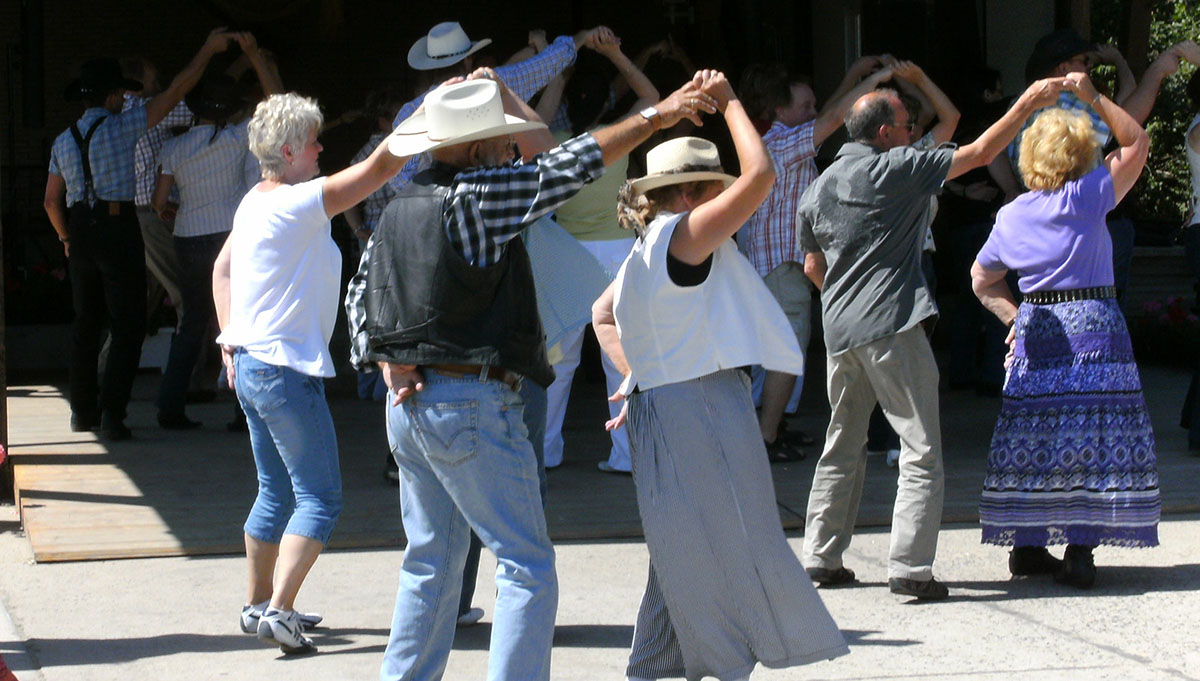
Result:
x=651 y=114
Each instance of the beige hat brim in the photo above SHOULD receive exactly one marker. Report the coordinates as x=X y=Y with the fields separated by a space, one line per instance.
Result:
x=412 y=136
x=645 y=184
x=419 y=59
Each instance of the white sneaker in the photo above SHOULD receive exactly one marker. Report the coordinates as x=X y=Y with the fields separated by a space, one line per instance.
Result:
x=893 y=458
x=470 y=618
x=283 y=628
x=251 y=614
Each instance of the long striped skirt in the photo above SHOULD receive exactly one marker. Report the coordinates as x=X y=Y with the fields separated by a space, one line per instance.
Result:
x=725 y=590
x=1072 y=458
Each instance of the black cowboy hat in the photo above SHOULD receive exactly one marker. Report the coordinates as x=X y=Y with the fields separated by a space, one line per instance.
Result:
x=97 y=77
x=1053 y=49
x=216 y=97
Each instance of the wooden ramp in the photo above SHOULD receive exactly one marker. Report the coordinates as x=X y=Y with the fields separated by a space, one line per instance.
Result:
x=187 y=493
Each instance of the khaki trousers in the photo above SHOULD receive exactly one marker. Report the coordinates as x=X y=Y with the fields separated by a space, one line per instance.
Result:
x=899 y=371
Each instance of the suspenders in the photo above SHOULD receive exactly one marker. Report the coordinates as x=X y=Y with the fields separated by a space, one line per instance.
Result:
x=84 y=142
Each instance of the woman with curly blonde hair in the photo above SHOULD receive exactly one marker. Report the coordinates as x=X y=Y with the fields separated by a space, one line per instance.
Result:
x=1072 y=457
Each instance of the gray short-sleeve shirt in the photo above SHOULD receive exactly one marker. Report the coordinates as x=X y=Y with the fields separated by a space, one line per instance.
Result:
x=865 y=214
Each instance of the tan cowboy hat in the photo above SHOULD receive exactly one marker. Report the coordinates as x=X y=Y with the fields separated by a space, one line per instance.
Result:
x=663 y=162
x=446 y=44
x=462 y=112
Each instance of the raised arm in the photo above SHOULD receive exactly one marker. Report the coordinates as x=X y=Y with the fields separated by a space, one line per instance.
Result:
x=268 y=75
x=1125 y=163
x=162 y=103
x=703 y=229
x=350 y=186
x=981 y=152
x=629 y=73
x=551 y=98
x=835 y=110
x=1126 y=81
x=860 y=69
x=1141 y=102
x=620 y=138
x=947 y=114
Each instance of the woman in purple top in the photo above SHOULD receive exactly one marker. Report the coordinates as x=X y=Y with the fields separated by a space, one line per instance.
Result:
x=1072 y=457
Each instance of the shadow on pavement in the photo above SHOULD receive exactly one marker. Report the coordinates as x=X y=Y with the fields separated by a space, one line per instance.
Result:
x=1116 y=580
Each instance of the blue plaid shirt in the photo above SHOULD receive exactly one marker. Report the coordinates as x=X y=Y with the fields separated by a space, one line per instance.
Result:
x=111 y=154
x=1071 y=102
x=486 y=208
x=524 y=79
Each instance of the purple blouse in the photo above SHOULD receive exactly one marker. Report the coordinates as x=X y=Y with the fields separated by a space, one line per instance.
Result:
x=1056 y=240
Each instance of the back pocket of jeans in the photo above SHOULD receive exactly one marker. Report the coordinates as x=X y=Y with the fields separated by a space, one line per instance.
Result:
x=448 y=430
x=263 y=386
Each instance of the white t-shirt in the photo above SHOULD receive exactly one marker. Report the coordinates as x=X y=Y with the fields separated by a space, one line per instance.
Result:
x=284 y=276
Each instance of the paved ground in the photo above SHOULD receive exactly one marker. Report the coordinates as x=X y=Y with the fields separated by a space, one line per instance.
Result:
x=175 y=618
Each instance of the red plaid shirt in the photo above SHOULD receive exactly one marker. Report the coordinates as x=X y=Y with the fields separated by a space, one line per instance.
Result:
x=768 y=239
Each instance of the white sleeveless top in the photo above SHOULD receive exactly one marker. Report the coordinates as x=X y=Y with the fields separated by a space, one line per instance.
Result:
x=673 y=333
x=1193 y=158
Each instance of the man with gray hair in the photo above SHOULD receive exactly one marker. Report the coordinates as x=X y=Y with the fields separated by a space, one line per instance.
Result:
x=860 y=225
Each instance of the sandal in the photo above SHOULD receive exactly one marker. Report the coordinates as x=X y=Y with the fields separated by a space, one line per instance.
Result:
x=783 y=451
x=830 y=577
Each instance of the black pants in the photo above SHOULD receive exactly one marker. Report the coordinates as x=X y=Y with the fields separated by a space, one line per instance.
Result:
x=107 y=265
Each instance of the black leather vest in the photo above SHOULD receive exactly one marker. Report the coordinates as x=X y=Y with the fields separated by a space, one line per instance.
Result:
x=426 y=305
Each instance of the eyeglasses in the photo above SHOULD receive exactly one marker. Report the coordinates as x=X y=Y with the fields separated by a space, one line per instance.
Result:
x=907 y=126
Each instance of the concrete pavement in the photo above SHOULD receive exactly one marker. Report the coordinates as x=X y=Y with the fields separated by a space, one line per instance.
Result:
x=175 y=618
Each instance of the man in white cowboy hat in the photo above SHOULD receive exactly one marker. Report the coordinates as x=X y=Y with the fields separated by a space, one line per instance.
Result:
x=448 y=308
x=89 y=199
x=446 y=52
x=861 y=225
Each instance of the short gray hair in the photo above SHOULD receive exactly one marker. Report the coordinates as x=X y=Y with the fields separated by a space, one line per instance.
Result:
x=863 y=123
x=279 y=120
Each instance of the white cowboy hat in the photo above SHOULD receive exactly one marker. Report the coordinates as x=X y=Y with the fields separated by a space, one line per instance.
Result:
x=664 y=161
x=462 y=112
x=446 y=44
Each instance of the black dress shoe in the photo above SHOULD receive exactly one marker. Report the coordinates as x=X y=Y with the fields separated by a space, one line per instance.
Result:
x=1032 y=560
x=1079 y=567
x=81 y=422
x=177 y=422
x=115 y=431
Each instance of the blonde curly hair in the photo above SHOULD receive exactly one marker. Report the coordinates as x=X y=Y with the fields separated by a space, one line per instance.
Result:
x=278 y=120
x=1059 y=147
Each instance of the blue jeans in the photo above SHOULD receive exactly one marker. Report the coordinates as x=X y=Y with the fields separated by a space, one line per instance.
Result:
x=466 y=464
x=295 y=452
x=535 y=422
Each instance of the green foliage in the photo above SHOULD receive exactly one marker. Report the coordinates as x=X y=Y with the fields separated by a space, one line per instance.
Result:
x=1164 y=192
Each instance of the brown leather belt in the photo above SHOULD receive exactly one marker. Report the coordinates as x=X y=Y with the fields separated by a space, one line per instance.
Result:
x=490 y=373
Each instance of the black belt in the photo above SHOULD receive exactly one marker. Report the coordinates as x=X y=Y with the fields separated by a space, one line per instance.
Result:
x=1068 y=295
x=482 y=372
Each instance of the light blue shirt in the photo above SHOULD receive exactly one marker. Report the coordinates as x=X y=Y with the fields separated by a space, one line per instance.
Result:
x=110 y=152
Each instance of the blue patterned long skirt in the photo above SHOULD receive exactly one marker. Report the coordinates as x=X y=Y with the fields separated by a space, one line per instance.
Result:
x=1072 y=458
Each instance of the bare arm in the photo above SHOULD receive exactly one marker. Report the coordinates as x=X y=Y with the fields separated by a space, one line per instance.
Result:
x=551 y=98
x=162 y=103
x=981 y=152
x=268 y=75
x=815 y=268
x=605 y=325
x=1002 y=173
x=992 y=290
x=947 y=114
x=55 y=203
x=1126 y=81
x=620 y=138
x=834 y=113
x=1140 y=103
x=630 y=74
x=859 y=70
x=350 y=186
x=1125 y=163
x=220 y=286
x=709 y=225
